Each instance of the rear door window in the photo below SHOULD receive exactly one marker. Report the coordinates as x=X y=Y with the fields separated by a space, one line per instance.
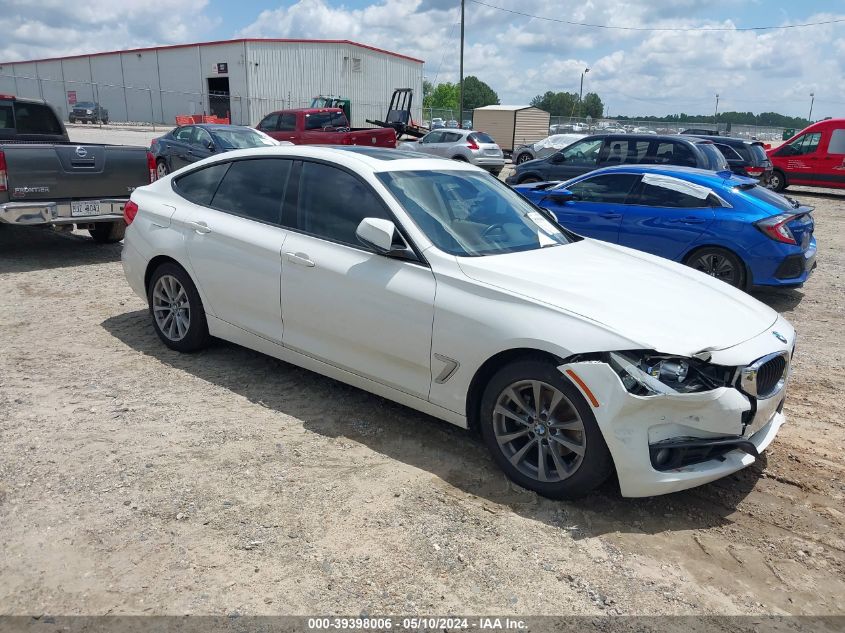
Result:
x=451 y=137
x=671 y=153
x=184 y=134
x=199 y=186
x=671 y=193
x=35 y=118
x=254 y=189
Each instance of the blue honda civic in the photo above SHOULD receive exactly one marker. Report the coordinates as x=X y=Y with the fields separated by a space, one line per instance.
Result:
x=725 y=225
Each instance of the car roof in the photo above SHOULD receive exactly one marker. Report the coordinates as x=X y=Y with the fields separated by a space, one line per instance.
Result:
x=308 y=110
x=701 y=176
x=645 y=137
x=727 y=140
x=374 y=160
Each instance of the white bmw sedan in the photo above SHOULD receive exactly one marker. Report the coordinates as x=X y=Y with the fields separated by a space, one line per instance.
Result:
x=431 y=283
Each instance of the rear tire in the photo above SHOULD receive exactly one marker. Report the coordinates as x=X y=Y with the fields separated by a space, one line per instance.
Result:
x=777 y=181
x=531 y=445
x=108 y=232
x=161 y=168
x=523 y=158
x=460 y=159
x=176 y=308
x=719 y=263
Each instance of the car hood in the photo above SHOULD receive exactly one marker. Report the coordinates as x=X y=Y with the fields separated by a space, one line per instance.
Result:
x=654 y=302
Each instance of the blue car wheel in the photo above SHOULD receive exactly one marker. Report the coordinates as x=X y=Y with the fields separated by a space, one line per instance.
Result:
x=719 y=263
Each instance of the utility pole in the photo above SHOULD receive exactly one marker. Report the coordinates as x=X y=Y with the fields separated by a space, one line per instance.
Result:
x=812 y=99
x=716 y=113
x=461 y=81
x=581 y=92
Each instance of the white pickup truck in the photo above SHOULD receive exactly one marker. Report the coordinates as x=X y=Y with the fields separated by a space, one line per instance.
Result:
x=47 y=180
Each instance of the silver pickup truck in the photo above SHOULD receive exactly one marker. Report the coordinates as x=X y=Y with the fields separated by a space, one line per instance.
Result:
x=47 y=180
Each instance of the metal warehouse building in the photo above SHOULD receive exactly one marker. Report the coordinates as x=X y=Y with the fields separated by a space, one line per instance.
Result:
x=244 y=78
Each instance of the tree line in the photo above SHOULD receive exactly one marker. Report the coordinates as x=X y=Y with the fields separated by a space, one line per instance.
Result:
x=478 y=94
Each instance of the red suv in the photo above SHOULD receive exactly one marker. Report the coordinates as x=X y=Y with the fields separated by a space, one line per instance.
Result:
x=815 y=157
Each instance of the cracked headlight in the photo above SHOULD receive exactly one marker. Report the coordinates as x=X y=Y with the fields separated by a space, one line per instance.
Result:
x=647 y=373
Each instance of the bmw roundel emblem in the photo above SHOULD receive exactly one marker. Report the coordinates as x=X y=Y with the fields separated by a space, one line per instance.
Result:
x=779 y=336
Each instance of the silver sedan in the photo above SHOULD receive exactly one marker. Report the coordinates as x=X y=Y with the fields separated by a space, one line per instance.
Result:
x=468 y=146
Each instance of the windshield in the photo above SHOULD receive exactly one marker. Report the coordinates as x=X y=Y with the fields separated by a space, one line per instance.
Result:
x=84 y=104
x=782 y=203
x=242 y=139
x=469 y=214
x=758 y=153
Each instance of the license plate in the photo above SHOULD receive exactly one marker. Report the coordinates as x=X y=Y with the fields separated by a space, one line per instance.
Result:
x=85 y=208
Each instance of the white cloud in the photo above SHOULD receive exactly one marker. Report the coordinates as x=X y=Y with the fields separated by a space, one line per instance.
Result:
x=636 y=72
x=51 y=28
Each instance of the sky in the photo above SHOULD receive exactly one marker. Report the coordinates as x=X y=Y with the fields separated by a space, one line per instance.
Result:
x=634 y=71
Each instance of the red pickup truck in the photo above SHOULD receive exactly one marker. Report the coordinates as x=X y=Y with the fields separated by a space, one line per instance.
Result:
x=323 y=126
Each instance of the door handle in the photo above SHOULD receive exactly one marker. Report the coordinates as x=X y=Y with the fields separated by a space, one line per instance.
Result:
x=199 y=227
x=610 y=216
x=300 y=258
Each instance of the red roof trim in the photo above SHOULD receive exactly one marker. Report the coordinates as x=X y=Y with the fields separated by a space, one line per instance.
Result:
x=237 y=41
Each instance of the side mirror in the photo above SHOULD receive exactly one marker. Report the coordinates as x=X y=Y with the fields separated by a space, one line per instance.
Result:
x=381 y=235
x=560 y=196
x=558 y=158
x=210 y=146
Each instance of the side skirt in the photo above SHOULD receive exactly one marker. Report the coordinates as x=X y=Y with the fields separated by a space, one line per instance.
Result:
x=233 y=334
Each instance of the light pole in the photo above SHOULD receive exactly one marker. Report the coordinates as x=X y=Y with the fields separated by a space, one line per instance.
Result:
x=716 y=113
x=812 y=99
x=461 y=81
x=581 y=92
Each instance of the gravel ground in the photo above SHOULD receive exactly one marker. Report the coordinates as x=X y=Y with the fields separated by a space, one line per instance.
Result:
x=134 y=480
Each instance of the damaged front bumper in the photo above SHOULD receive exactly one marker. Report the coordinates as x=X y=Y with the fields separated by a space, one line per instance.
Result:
x=672 y=441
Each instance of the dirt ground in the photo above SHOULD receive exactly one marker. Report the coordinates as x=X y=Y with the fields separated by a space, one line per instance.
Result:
x=135 y=480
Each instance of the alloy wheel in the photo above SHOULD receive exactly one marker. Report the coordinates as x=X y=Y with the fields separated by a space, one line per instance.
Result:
x=161 y=169
x=171 y=308
x=718 y=266
x=539 y=431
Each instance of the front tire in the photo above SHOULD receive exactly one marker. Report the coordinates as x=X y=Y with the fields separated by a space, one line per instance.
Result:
x=177 y=310
x=523 y=158
x=108 y=232
x=555 y=449
x=528 y=179
x=719 y=263
x=777 y=181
